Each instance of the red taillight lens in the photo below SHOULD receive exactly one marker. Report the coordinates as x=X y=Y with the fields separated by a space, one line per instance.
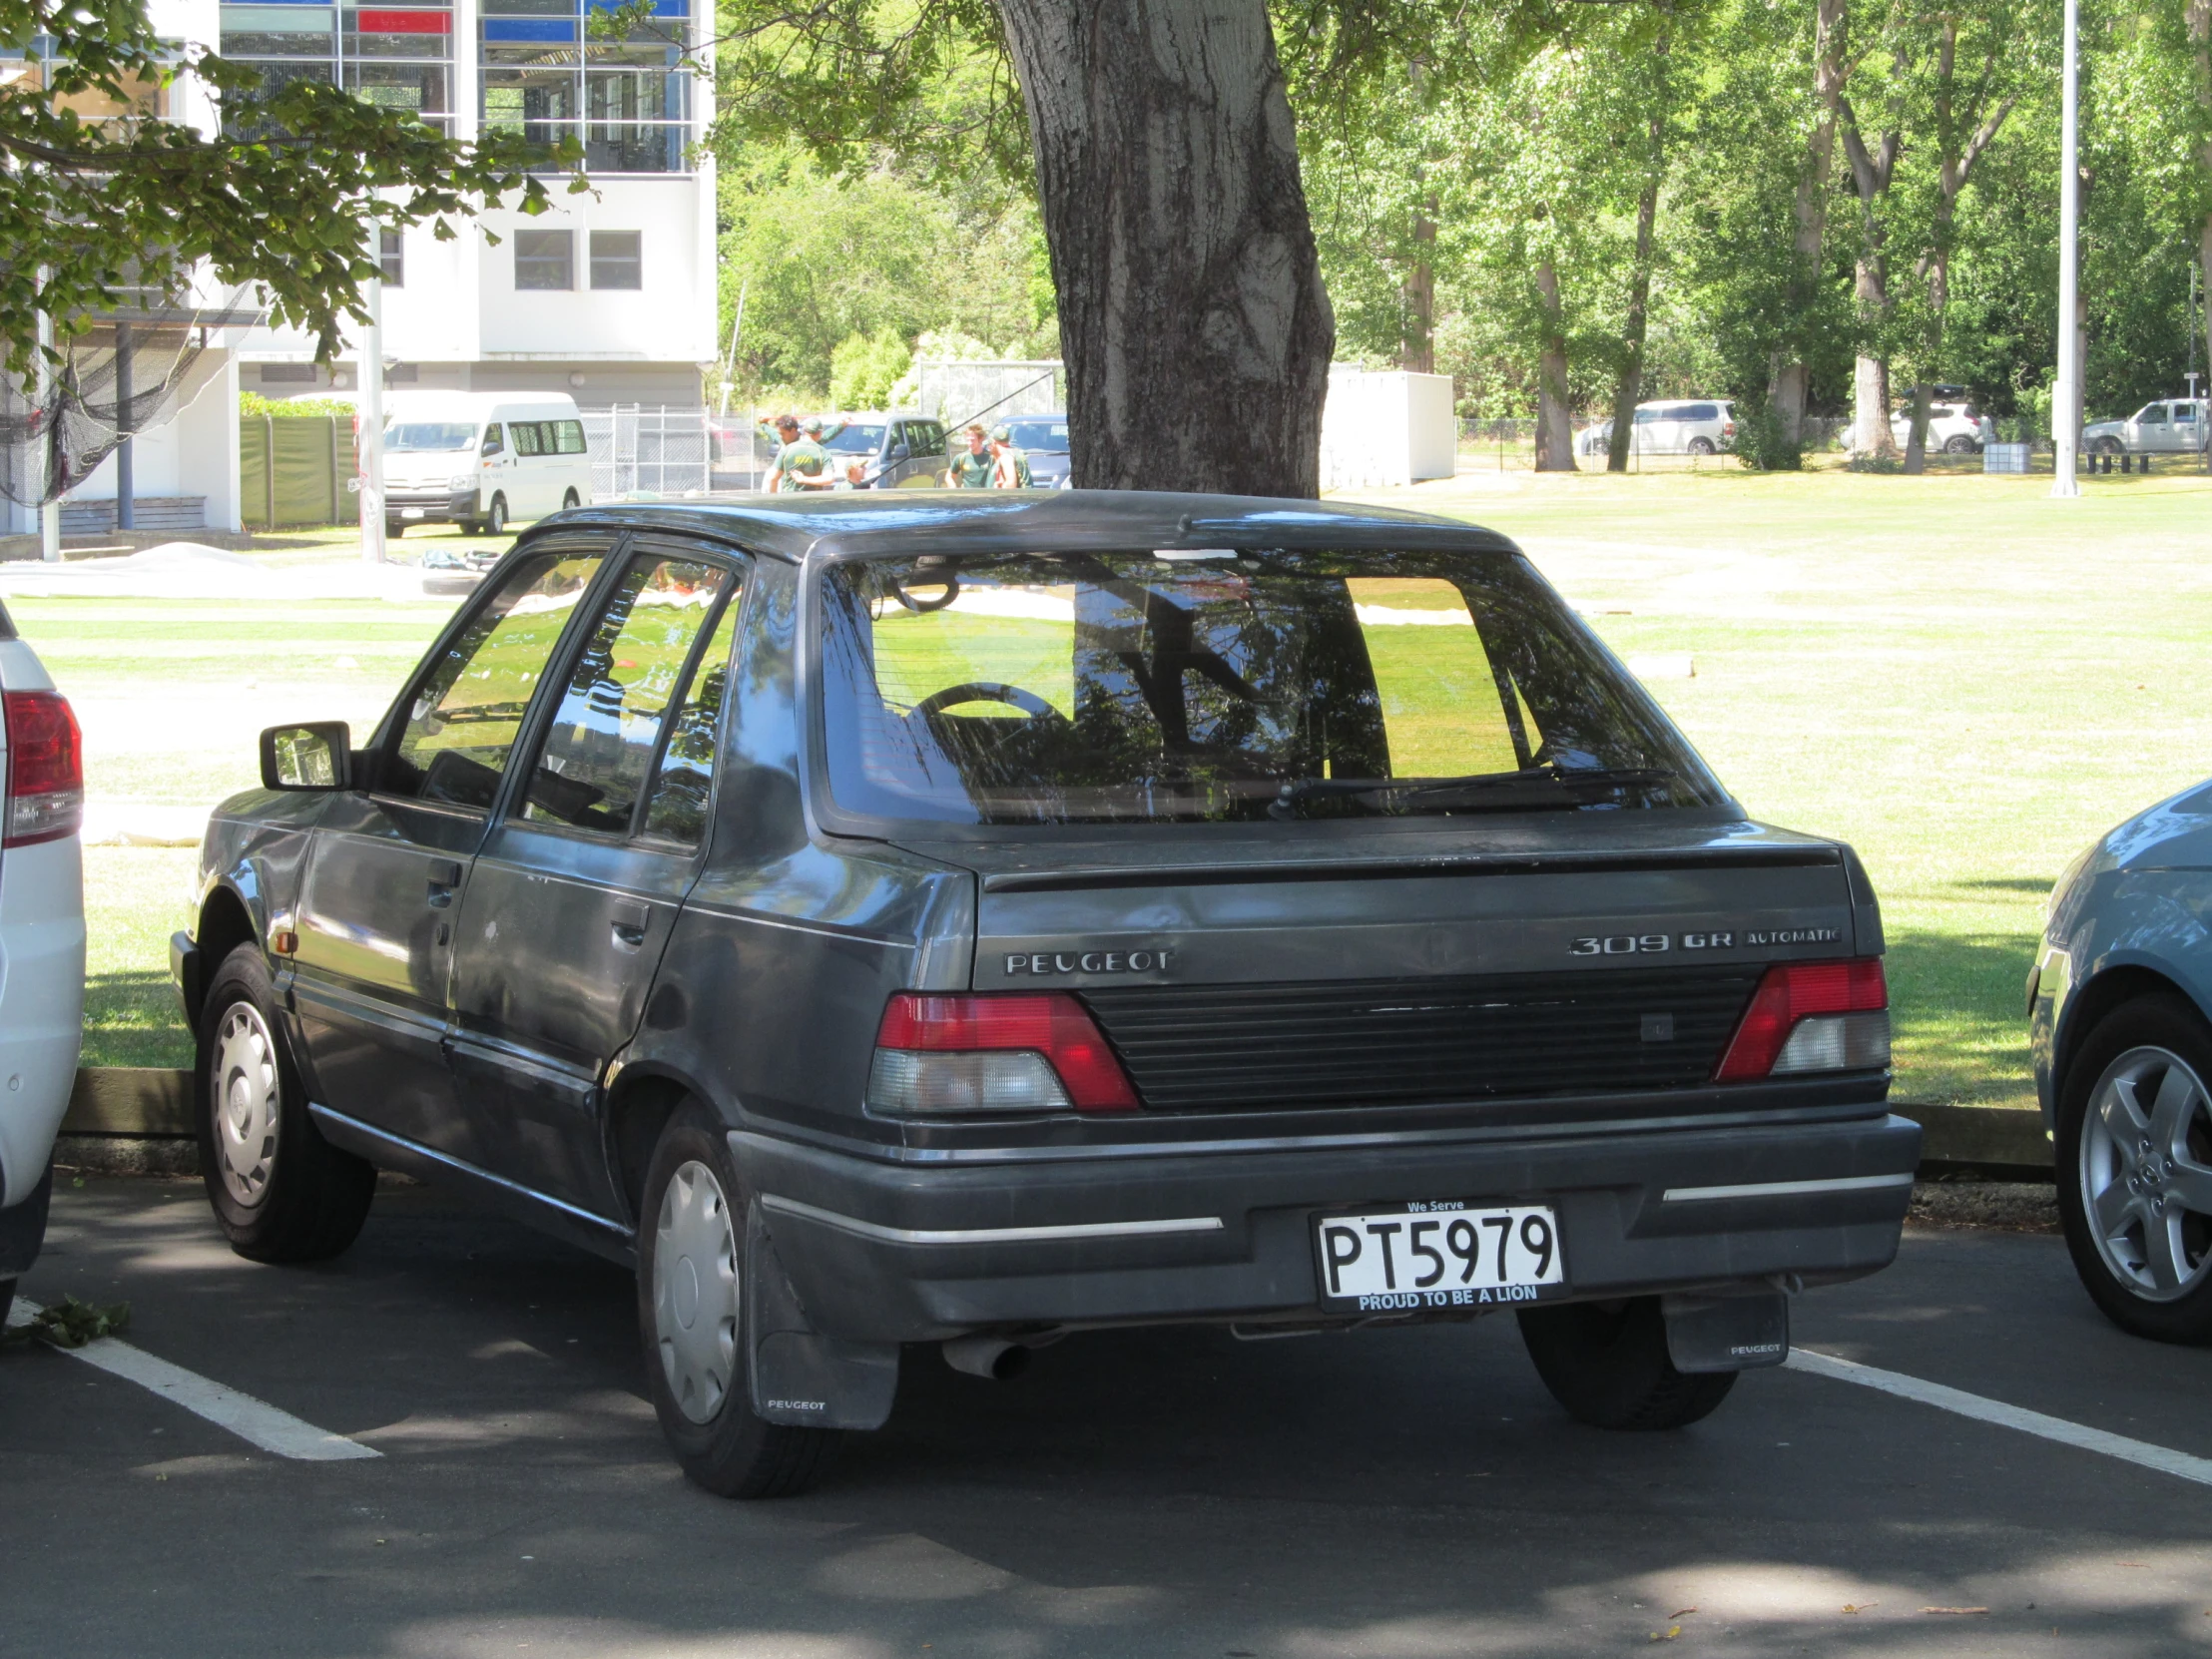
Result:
x=1050 y=1023
x=1795 y=991
x=46 y=768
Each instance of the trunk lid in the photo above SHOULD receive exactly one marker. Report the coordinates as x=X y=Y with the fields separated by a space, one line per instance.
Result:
x=1363 y=964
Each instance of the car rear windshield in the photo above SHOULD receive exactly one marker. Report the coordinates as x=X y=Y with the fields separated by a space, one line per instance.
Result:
x=1180 y=686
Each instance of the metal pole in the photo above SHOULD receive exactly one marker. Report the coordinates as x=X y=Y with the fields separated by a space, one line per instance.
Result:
x=126 y=490
x=737 y=323
x=2066 y=393
x=372 y=414
x=49 y=415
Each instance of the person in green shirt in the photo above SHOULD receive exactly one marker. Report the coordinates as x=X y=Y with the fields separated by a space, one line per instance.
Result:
x=972 y=470
x=802 y=464
x=1009 y=466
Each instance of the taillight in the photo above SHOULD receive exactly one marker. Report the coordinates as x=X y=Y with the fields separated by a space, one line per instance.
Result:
x=46 y=768
x=1029 y=1053
x=1812 y=1016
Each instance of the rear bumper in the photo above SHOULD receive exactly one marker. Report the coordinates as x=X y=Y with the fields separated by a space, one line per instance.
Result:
x=897 y=1253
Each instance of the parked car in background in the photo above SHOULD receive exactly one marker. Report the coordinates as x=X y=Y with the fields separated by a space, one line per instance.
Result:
x=895 y=450
x=2170 y=426
x=42 y=942
x=1010 y=918
x=1045 y=439
x=2120 y=1031
x=1680 y=426
x=479 y=459
x=1954 y=426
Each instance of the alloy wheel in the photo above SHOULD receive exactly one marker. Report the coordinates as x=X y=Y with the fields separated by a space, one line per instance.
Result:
x=2146 y=1174
x=248 y=1101
x=695 y=1292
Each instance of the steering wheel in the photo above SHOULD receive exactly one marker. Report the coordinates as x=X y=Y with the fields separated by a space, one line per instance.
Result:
x=987 y=691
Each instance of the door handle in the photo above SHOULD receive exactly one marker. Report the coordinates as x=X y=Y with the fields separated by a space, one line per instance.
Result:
x=627 y=924
x=445 y=875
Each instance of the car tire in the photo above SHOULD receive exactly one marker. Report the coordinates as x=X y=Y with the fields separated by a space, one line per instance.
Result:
x=1703 y=447
x=691 y=1237
x=2105 y=447
x=395 y=528
x=2142 y=1165
x=570 y=501
x=1607 y=1363
x=280 y=1192
x=495 y=520
x=1959 y=445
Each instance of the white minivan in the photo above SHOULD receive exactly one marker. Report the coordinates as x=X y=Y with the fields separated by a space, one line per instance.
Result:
x=479 y=459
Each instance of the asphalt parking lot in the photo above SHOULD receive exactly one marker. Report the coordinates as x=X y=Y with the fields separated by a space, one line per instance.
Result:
x=1408 y=1493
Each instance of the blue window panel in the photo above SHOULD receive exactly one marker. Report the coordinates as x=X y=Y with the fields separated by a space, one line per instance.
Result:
x=528 y=28
x=661 y=8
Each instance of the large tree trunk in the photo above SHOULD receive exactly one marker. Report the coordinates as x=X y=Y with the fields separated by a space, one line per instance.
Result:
x=1417 y=352
x=1629 y=389
x=1869 y=406
x=1193 y=319
x=1554 y=417
x=1786 y=395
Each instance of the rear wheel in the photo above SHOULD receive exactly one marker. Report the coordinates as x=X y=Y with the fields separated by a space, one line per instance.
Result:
x=570 y=500
x=495 y=521
x=280 y=1192
x=395 y=528
x=1703 y=447
x=1607 y=1363
x=1959 y=445
x=691 y=1273
x=2135 y=1169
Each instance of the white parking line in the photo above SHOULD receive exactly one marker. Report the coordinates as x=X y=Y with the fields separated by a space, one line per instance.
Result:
x=249 y=1418
x=1966 y=1404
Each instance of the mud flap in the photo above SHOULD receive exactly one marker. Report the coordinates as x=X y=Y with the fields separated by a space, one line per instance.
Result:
x=798 y=1375
x=23 y=1227
x=1727 y=1332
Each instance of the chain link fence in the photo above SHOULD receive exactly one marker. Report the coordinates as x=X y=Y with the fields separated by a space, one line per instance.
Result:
x=640 y=450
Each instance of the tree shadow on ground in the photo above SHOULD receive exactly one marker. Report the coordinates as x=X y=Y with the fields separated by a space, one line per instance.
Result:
x=1958 y=1013
x=133 y=1018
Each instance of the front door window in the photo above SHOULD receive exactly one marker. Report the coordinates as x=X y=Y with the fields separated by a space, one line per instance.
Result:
x=463 y=719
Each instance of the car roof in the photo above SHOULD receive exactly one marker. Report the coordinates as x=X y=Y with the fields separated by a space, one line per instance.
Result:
x=869 y=524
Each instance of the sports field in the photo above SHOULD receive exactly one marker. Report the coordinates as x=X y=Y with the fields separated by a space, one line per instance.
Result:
x=1963 y=678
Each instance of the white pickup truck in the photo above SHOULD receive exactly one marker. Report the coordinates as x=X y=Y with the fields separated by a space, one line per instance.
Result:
x=42 y=941
x=2170 y=426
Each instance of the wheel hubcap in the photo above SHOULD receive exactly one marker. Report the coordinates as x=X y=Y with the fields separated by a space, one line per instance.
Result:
x=248 y=1096
x=695 y=1292
x=2146 y=1174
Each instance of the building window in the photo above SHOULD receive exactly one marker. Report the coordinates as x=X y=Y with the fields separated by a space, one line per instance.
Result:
x=615 y=259
x=626 y=101
x=545 y=260
x=392 y=253
x=397 y=58
x=288 y=375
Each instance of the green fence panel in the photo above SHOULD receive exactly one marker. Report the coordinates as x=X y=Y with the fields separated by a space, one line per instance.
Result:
x=256 y=504
x=304 y=452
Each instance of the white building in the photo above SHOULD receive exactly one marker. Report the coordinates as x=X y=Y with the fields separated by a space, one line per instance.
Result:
x=609 y=296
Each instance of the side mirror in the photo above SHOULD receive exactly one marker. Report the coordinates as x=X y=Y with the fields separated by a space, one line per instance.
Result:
x=900 y=452
x=314 y=756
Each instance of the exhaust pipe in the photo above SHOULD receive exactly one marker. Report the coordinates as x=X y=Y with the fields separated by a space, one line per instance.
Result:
x=990 y=1356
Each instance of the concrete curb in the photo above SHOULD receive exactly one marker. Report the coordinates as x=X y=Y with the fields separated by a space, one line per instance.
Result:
x=133 y=1120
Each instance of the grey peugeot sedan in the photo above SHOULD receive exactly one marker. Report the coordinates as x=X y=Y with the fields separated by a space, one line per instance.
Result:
x=2119 y=1002
x=974 y=920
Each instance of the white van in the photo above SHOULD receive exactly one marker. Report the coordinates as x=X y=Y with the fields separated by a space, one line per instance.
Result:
x=479 y=459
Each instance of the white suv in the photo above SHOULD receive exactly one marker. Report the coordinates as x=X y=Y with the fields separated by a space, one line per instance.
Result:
x=1679 y=426
x=42 y=942
x=1953 y=427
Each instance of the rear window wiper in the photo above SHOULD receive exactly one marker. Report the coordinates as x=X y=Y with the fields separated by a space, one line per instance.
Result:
x=1295 y=790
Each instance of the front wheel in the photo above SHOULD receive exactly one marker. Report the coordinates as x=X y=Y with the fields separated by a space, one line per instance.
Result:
x=1607 y=1363
x=2135 y=1169
x=2105 y=447
x=690 y=1313
x=280 y=1192
x=495 y=521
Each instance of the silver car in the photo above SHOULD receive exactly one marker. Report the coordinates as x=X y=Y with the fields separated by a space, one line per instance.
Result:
x=2172 y=426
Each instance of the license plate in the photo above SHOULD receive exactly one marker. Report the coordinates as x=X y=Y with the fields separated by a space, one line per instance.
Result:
x=1439 y=1255
x=410 y=512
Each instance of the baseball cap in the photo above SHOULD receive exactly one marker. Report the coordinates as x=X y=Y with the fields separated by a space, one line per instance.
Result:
x=1003 y=434
x=813 y=424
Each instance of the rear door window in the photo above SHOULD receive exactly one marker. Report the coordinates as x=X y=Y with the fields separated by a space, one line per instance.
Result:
x=466 y=712
x=604 y=738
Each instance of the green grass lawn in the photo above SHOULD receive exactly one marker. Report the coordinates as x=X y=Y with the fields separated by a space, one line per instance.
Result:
x=1962 y=677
